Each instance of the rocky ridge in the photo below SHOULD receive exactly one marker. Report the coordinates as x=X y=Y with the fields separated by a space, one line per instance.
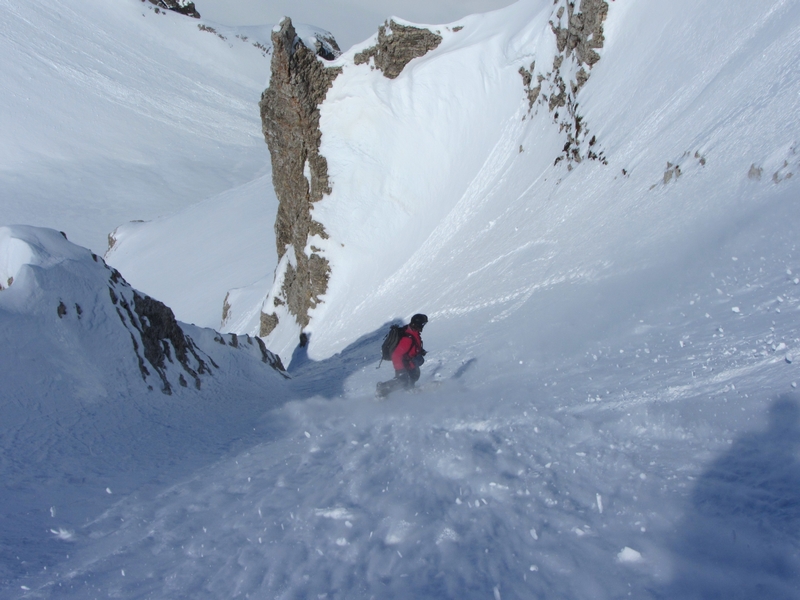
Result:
x=160 y=342
x=184 y=7
x=579 y=34
x=397 y=45
x=89 y=298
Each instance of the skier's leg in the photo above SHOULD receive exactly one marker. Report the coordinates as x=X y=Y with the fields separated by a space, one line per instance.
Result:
x=385 y=388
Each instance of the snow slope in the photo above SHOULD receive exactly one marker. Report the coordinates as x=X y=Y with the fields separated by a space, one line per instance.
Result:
x=609 y=406
x=193 y=258
x=113 y=113
x=446 y=162
x=83 y=414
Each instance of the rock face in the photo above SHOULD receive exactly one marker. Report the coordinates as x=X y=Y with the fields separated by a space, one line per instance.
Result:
x=583 y=32
x=127 y=334
x=290 y=122
x=183 y=7
x=579 y=34
x=160 y=342
x=397 y=46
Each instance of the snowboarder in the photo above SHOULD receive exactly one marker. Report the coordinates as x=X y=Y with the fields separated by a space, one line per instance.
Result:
x=407 y=357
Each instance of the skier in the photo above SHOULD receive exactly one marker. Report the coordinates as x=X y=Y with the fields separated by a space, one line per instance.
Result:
x=406 y=358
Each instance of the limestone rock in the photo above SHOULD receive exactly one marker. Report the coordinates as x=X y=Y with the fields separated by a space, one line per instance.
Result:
x=290 y=122
x=578 y=35
x=183 y=7
x=397 y=46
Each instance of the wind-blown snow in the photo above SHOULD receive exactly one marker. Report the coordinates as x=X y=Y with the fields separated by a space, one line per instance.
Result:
x=609 y=406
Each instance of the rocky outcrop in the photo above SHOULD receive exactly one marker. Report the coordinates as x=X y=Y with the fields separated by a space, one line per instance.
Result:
x=325 y=46
x=156 y=336
x=299 y=81
x=290 y=122
x=183 y=7
x=583 y=31
x=397 y=46
x=579 y=34
x=159 y=341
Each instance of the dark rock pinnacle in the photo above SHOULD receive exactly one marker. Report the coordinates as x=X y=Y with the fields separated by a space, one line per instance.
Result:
x=290 y=122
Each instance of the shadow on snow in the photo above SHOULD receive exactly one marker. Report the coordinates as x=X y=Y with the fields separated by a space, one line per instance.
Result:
x=326 y=377
x=740 y=536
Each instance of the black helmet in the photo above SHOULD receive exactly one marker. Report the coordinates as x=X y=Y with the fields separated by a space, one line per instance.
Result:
x=418 y=321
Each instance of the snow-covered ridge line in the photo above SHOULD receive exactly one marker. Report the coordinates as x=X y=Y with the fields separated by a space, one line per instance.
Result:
x=41 y=268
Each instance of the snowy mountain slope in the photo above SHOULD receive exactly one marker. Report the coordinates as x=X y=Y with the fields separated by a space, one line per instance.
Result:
x=192 y=259
x=661 y=462
x=85 y=361
x=609 y=407
x=448 y=164
x=112 y=113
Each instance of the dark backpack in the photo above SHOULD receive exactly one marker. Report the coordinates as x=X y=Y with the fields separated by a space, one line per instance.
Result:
x=396 y=333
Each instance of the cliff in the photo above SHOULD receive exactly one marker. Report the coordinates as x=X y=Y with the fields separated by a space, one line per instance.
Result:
x=290 y=122
x=299 y=82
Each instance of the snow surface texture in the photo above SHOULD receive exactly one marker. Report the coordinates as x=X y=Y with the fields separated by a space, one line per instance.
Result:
x=113 y=113
x=609 y=407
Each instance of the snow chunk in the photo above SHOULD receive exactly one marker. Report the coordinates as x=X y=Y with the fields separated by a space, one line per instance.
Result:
x=63 y=534
x=447 y=535
x=338 y=514
x=629 y=555
x=397 y=533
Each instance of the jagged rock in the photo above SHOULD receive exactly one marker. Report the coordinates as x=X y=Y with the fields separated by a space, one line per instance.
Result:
x=290 y=122
x=183 y=7
x=397 y=46
x=160 y=332
x=325 y=46
x=268 y=323
x=584 y=31
x=226 y=307
x=159 y=340
x=527 y=80
x=578 y=36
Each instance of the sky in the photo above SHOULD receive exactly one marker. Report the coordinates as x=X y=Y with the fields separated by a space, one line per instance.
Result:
x=351 y=21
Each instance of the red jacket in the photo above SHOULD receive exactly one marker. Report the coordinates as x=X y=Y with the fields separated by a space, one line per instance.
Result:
x=410 y=345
